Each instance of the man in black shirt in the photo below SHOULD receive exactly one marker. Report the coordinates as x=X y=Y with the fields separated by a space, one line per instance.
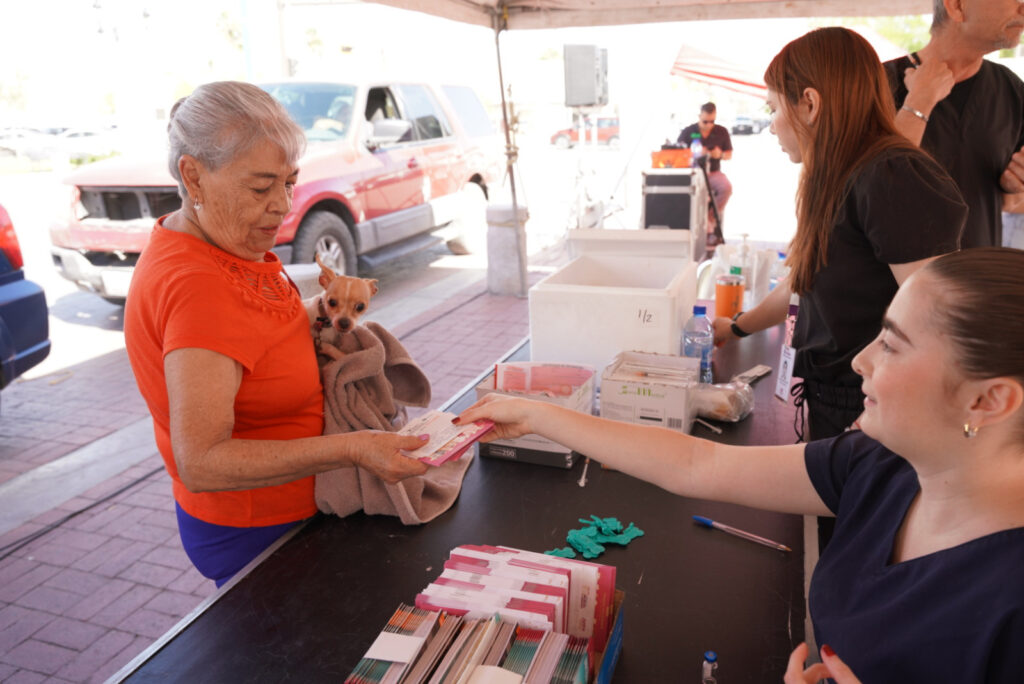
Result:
x=716 y=146
x=967 y=112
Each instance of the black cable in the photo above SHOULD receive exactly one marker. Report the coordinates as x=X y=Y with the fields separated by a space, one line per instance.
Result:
x=8 y=549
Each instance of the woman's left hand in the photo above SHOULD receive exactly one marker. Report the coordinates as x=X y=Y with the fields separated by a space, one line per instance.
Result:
x=722 y=328
x=830 y=666
x=383 y=454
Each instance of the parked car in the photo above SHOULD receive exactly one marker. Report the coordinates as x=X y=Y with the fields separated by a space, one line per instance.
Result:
x=607 y=134
x=29 y=143
x=745 y=125
x=80 y=145
x=24 y=327
x=389 y=168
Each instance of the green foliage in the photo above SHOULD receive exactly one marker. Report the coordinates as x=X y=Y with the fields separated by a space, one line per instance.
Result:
x=13 y=95
x=908 y=31
x=231 y=30
x=90 y=158
x=314 y=42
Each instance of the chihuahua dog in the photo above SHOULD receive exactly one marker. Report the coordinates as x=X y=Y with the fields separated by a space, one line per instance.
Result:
x=337 y=310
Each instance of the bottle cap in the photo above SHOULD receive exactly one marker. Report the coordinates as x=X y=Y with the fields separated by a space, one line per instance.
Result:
x=700 y=310
x=735 y=270
x=710 y=656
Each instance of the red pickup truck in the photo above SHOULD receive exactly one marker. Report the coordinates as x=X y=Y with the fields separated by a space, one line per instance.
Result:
x=389 y=168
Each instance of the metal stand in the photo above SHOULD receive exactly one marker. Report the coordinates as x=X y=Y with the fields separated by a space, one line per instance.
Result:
x=511 y=157
x=587 y=212
x=702 y=164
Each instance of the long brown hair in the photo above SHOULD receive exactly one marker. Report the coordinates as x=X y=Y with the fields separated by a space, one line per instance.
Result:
x=855 y=123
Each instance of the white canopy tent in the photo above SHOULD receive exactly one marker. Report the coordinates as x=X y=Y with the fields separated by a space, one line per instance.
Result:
x=545 y=14
x=503 y=15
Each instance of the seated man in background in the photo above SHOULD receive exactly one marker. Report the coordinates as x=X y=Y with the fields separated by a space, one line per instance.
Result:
x=716 y=145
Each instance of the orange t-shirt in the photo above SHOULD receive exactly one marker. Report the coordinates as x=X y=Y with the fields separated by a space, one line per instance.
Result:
x=187 y=293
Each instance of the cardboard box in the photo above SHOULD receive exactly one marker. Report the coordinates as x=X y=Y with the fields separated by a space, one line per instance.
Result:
x=601 y=304
x=512 y=450
x=534 y=448
x=663 y=396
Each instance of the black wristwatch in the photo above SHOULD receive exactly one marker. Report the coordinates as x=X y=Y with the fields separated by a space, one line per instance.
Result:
x=737 y=330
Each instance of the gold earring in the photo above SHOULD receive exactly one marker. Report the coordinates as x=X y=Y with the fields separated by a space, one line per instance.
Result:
x=970 y=432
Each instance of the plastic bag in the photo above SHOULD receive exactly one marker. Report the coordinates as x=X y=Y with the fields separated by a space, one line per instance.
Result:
x=730 y=402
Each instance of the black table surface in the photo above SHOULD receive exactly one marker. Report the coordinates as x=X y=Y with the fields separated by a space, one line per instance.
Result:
x=309 y=609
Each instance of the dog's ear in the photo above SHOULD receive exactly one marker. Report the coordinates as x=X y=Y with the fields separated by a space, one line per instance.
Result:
x=372 y=282
x=326 y=274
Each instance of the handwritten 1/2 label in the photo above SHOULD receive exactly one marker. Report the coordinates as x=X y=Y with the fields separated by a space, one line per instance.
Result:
x=647 y=318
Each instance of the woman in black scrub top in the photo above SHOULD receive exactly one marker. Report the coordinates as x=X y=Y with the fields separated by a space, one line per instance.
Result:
x=871 y=209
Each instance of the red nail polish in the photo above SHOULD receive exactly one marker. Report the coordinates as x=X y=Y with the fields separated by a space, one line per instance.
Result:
x=827 y=650
x=455 y=420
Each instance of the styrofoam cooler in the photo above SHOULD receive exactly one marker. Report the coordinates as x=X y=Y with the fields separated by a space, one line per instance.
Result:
x=663 y=242
x=599 y=305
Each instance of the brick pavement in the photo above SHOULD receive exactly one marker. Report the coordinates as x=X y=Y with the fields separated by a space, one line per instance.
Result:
x=80 y=601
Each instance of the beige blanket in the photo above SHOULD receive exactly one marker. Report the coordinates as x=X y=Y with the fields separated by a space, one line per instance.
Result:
x=368 y=389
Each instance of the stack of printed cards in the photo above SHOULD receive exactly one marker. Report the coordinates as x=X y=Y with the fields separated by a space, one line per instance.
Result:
x=502 y=616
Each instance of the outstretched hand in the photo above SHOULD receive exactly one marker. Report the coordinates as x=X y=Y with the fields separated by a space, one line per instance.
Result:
x=830 y=666
x=510 y=416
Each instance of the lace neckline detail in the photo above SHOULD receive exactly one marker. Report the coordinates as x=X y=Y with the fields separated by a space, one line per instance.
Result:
x=263 y=283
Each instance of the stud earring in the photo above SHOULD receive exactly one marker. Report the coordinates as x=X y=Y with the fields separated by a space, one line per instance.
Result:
x=970 y=432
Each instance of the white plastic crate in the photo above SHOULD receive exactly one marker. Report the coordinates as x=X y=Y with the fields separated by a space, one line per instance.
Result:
x=599 y=305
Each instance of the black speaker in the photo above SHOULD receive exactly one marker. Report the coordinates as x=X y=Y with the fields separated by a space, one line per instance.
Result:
x=586 y=75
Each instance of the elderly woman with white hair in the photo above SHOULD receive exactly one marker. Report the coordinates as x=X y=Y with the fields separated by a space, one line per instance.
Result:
x=219 y=341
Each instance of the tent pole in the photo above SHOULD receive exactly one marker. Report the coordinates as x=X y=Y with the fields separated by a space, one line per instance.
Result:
x=511 y=153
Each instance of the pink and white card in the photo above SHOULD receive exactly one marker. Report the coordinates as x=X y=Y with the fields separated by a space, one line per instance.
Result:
x=447 y=441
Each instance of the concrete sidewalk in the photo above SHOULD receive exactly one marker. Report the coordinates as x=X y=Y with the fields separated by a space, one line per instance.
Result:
x=91 y=567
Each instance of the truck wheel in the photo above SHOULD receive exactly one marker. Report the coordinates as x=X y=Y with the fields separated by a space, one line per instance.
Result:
x=562 y=142
x=469 y=233
x=326 y=234
x=613 y=142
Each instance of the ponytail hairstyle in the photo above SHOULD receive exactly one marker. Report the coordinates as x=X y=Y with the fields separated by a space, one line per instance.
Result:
x=856 y=122
x=220 y=121
x=980 y=308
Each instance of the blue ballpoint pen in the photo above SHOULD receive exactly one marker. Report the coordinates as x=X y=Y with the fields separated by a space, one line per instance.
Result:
x=708 y=522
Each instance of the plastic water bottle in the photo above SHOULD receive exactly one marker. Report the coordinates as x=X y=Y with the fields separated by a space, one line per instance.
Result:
x=699 y=341
x=708 y=667
x=779 y=271
x=696 y=150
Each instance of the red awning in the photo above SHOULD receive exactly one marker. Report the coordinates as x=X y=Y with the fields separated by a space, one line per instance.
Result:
x=705 y=68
